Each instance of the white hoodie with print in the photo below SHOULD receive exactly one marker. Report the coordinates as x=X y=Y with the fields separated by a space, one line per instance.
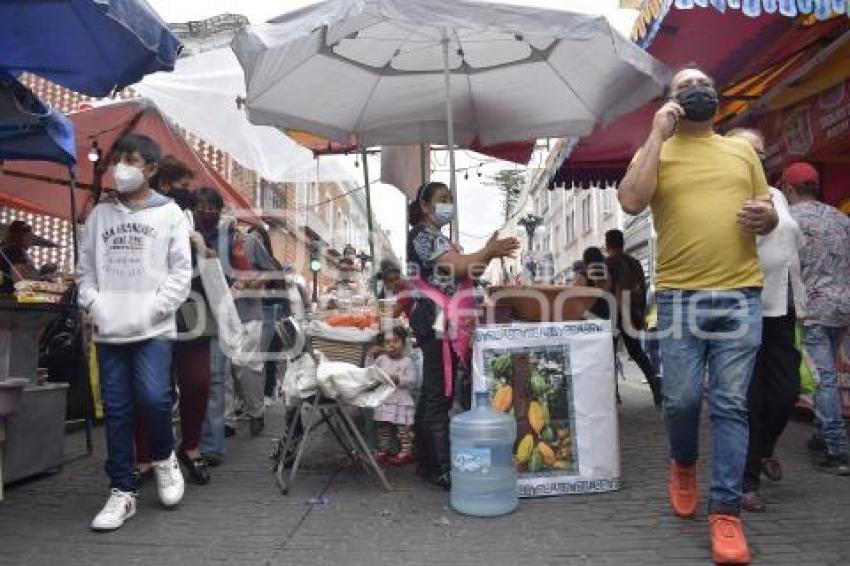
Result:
x=134 y=269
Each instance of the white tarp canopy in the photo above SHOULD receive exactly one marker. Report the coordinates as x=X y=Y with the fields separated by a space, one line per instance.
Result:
x=372 y=71
x=200 y=94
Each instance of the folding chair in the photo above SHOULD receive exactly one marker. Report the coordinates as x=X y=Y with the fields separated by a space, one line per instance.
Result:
x=289 y=450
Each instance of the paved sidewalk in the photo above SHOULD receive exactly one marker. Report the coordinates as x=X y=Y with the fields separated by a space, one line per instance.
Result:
x=241 y=518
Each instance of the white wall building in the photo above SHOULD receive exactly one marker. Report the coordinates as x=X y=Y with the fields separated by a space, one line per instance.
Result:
x=574 y=217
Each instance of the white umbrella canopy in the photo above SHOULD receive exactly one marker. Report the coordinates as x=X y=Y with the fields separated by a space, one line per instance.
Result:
x=201 y=95
x=372 y=72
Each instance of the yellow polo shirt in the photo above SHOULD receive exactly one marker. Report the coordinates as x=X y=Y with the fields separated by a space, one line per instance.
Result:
x=702 y=183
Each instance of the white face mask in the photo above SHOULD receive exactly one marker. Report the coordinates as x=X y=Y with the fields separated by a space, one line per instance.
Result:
x=444 y=213
x=128 y=179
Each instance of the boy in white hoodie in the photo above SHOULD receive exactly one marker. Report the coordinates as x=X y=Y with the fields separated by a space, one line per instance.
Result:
x=134 y=272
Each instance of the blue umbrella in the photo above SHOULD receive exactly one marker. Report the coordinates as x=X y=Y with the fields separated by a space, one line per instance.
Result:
x=33 y=131
x=90 y=46
x=29 y=129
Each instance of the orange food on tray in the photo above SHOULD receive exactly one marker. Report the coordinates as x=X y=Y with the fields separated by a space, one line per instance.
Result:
x=362 y=321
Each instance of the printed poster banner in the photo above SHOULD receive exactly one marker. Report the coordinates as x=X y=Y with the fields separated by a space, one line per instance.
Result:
x=815 y=128
x=557 y=380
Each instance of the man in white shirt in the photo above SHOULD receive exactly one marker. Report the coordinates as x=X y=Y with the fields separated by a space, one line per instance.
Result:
x=775 y=385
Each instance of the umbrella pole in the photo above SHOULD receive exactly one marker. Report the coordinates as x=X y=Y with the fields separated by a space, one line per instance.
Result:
x=365 y=158
x=451 y=132
x=73 y=173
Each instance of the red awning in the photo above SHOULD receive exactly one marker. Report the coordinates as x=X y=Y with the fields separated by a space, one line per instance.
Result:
x=723 y=45
x=45 y=187
x=516 y=152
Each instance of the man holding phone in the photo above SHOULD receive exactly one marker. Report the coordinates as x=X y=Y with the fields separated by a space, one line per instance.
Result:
x=709 y=198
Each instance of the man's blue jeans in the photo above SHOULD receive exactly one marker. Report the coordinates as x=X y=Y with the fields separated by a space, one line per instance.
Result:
x=821 y=345
x=718 y=332
x=135 y=376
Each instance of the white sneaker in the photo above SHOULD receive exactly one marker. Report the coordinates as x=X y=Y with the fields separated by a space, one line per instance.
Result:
x=120 y=506
x=169 y=481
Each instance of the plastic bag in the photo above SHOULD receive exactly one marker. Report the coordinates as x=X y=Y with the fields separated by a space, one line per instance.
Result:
x=807 y=380
x=241 y=343
x=361 y=387
x=299 y=380
x=230 y=330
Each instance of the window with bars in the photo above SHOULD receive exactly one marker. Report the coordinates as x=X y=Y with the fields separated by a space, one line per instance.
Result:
x=570 y=228
x=609 y=200
x=586 y=216
x=272 y=196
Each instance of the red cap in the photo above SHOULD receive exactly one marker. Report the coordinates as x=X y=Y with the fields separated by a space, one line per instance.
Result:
x=800 y=173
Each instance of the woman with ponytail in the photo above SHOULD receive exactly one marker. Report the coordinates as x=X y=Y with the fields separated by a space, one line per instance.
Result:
x=442 y=317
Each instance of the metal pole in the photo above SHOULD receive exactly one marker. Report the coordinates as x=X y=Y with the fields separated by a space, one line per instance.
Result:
x=88 y=419
x=73 y=173
x=315 y=288
x=365 y=158
x=451 y=132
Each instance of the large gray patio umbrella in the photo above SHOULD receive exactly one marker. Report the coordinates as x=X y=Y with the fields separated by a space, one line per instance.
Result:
x=384 y=72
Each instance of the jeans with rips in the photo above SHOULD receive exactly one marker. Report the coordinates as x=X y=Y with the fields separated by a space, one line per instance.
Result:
x=820 y=344
x=709 y=341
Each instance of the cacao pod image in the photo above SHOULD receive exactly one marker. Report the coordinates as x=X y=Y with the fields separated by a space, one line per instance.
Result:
x=547 y=453
x=503 y=399
x=535 y=463
x=546 y=416
x=535 y=417
x=524 y=450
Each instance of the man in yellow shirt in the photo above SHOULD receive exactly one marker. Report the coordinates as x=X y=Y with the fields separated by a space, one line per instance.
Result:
x=709 y=198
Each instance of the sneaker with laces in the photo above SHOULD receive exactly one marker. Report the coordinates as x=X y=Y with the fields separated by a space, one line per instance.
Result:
x=120 y=506
x=728 y=543
x=169 y=481
x=683 y=490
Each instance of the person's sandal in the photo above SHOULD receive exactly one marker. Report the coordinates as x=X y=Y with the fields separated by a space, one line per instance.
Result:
x=443 y=481
x=401 y=459
x=197 y=469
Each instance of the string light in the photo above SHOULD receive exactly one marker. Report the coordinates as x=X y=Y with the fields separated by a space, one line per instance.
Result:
x=94 y=152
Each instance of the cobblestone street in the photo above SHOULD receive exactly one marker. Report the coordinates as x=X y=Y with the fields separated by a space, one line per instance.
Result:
x=337 y=515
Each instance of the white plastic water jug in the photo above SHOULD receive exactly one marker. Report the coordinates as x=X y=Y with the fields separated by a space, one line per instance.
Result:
x=483 y=473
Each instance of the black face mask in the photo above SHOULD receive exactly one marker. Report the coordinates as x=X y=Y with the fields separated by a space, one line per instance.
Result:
x=207 y=222
x=699 y=103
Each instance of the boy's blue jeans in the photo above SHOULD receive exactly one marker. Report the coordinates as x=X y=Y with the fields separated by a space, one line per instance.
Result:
x=135 y=377
x=709 y=341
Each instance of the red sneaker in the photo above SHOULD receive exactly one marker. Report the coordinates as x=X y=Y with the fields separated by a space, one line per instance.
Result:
x=728 y=543
x=401 y=459
x=683 y=490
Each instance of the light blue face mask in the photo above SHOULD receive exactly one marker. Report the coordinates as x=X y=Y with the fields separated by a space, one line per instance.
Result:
x=444 y=213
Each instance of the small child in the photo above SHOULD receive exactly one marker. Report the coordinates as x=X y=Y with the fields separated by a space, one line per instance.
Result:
x=395 y=416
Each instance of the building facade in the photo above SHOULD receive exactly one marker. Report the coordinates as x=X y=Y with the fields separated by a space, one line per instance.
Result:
x=573 y=217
